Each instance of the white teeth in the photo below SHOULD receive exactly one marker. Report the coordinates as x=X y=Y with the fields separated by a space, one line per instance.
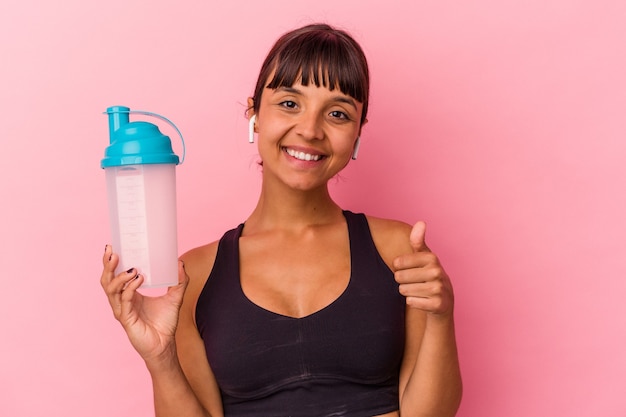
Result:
x=303 y=156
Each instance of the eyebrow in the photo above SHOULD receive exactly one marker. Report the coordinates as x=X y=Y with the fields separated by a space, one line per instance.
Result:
x=338 y=98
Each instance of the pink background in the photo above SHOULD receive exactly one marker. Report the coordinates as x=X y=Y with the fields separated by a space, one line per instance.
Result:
x=500 y=123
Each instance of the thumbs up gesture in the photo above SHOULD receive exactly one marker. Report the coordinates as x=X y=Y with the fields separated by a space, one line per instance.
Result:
x=422 y=279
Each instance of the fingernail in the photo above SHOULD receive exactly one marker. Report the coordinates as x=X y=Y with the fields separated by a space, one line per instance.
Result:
x=130 y=270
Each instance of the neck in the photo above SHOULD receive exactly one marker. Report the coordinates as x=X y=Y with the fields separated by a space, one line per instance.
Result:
x=293 y=210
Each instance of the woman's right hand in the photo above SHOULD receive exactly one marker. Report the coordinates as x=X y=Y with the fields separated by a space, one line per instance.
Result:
x=150 y=322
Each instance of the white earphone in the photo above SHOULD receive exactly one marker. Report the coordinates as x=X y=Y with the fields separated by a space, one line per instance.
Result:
x=251 y=128
x=355 y=152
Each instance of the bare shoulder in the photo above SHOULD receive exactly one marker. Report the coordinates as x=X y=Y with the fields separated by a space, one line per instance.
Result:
x=198 y=265
x=197 y=260
x=391 y=237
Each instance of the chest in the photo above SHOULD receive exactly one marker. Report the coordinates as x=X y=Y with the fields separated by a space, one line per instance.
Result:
x=295 y=277
x=255 y=352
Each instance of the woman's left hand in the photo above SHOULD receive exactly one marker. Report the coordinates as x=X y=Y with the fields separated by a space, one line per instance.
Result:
x=422 y=279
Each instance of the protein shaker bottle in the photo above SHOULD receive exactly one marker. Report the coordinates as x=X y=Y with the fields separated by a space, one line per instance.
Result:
x=140 y=170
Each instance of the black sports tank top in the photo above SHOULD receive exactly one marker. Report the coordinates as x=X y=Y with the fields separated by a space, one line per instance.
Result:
x=342 y=360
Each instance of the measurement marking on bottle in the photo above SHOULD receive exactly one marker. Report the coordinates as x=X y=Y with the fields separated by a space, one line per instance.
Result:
x=131 y=206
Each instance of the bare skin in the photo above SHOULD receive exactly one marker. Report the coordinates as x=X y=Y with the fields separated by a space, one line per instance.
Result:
x=294 y=216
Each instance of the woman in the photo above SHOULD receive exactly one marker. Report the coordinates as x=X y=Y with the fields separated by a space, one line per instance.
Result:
x=304 y=309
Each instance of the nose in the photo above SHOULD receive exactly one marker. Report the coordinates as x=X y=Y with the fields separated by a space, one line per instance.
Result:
x=309 y=126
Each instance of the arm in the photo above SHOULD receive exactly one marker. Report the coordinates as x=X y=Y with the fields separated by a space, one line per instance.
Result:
x=430 y=380
x=151 y=323
x=191 y=350
x=173 y=395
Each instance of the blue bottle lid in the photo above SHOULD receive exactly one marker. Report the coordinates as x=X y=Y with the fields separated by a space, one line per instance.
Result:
x=135 y=143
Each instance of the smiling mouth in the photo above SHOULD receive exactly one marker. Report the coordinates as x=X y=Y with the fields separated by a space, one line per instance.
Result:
x=303 y=156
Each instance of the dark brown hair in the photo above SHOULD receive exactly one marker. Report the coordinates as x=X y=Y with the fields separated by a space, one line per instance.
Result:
x=320 y=54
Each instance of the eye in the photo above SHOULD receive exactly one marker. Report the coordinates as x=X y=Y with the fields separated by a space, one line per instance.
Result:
x=339 y=115
x=289 y=104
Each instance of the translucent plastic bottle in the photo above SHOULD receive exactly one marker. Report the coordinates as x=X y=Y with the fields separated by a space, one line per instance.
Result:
x=140 y=170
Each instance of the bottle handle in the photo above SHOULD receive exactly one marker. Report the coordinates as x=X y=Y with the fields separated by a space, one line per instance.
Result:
x=165 y=119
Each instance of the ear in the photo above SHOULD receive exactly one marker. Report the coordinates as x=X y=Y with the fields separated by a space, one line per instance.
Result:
x=361 y=127
x=250 y=110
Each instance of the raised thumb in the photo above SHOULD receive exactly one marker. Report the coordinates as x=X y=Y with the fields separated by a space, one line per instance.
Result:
x=418 y=237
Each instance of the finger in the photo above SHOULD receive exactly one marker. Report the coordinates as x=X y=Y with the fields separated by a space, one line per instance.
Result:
x=422 y=289
x=422 y=296
x=109 y=263
x=418 y=237
x=432 y=305
x=125 y=303
x=183 y=277
x=438 y=305
x=182 y=273
x=117 y=286
x=131 y=286
x=118 y=283
x=415 y=260
x=107 y=258
x=415 y=271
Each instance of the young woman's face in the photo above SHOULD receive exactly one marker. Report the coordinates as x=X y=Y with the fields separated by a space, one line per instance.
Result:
x=306 y=134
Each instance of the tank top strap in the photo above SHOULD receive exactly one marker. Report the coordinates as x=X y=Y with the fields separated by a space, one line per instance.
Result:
x=227 y=257
x=362 y=247
x=224 y=276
